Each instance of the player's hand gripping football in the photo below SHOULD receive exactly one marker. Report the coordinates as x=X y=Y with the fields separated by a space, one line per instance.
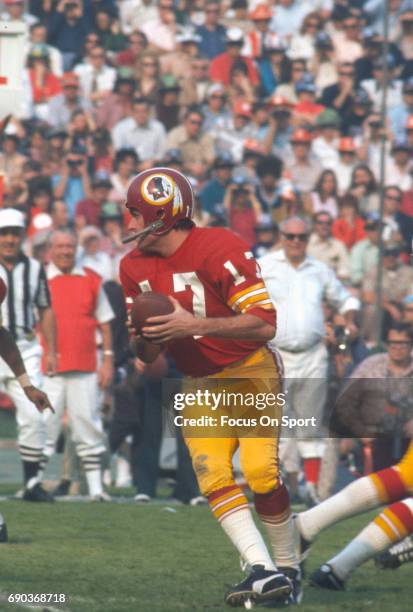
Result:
x=179 y=324
x=39 y=399
x=145 y=351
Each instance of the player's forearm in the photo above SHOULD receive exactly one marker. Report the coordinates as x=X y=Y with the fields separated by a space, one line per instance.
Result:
x=242 y=327
x=10 y=353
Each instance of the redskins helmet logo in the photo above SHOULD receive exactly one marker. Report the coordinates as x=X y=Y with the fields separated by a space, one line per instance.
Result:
x=160 y=189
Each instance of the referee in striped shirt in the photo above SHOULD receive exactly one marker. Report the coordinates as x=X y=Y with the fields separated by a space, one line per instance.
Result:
x=27 y=301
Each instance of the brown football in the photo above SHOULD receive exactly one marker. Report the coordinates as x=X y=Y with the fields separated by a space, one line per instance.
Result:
x=149 y=304
x=3 y=290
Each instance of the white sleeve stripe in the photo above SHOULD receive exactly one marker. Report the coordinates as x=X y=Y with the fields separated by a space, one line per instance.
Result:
x=248 y=295
x=260 y=303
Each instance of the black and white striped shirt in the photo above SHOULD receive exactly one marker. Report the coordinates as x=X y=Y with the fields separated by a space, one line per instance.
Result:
x=27 y=290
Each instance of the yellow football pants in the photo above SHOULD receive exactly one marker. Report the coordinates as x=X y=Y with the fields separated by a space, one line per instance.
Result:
x=212 y=456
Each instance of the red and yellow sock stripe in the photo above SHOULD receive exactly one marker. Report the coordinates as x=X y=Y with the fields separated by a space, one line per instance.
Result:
x=396 y=521
x=389 y=484
x=226 y=501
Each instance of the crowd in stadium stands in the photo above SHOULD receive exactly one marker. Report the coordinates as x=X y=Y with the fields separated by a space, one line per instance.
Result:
x=273 y=109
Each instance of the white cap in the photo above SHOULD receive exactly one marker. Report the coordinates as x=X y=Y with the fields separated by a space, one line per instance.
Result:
x=42 y=221
x=235 y=35
x=215 y=88
x=11 y=217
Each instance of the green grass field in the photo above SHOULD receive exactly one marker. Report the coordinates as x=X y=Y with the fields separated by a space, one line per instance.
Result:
x=130 y=558
x=127 y=558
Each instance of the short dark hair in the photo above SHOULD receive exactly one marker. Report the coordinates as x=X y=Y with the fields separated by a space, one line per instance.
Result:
x=194 y=110
x=348 y=199
x=401 y=328
x=123 y=154
x=123 y=81
x=394 y=187
x=270 y=164
x=141 y=100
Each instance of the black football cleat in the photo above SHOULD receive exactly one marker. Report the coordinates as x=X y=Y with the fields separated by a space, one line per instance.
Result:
x=260 y=586
x=296 y=595
x=397 y=555
x=325 y=578
x=37 y=494
x=3 y=532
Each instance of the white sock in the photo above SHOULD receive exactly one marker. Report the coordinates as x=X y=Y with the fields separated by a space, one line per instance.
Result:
x=359 y=496
x=367 y=544
x=32 y=482
x=243 y=533
x=94 y=482
x=282 y=540
x=123 y=473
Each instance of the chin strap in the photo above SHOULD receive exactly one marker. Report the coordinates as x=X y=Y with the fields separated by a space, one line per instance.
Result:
x=152 y=227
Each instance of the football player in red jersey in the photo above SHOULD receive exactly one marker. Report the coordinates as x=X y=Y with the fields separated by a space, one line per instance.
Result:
x=222 y=320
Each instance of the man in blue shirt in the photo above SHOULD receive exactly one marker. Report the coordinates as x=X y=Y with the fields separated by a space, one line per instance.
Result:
x=212 y=33
x=67 y=29
x=73 y=183
x=212 y=194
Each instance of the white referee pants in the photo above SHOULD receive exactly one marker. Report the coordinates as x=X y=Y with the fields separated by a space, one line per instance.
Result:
x=77 y=392
x=31 y=431
x=306 y=385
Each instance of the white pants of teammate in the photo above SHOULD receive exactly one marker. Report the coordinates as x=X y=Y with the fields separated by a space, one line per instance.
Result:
x=305 y=398
x=30 y=422
x=77 y=392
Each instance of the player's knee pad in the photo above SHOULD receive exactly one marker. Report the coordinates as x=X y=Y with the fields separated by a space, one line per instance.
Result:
x=261 y=477
x=32 y=434
x=211 y=474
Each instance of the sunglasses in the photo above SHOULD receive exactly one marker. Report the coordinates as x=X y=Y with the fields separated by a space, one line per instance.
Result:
x=14 y=231
x=324 y=222
x=148 y=64
x=300 y=237
x=398 y=343
x=393 y=198
x=195 y=122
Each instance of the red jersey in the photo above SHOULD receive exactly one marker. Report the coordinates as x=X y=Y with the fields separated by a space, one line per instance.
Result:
x=212 y=274
x=221 y=65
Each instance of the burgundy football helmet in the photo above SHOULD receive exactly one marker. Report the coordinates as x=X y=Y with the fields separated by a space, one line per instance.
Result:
x=163 y=197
